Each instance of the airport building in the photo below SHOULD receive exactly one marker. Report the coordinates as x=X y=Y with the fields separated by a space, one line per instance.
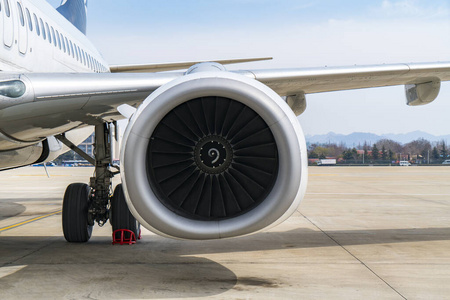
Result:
x=88 y=145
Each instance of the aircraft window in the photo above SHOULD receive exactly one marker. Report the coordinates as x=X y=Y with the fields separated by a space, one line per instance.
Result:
x=36 y=24
x=48 y=33
x=44 y=35
x=67 y=45
x=74 y=51
x=21 y=17
x=53 y=35
x=84 y=57
x=30 y=22
x=71 y=49
x=7 y=9
x=77 y=51
x=59 y=39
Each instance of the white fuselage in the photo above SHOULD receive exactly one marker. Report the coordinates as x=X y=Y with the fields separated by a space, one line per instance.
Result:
x=37 y=38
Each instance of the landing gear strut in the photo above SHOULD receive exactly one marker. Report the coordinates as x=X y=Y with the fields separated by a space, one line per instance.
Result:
x=100 y=183
x=84 y=205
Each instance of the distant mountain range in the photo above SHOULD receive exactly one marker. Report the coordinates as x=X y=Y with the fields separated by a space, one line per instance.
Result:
x=356 y=138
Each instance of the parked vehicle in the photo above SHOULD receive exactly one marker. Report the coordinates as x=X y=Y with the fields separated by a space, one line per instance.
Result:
x=327 y=162
x=446 y=162
x=404 y=163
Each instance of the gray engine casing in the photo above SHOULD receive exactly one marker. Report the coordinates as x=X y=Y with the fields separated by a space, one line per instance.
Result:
x=288 y=189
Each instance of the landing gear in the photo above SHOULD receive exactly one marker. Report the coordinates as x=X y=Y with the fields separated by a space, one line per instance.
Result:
x=85 y=205
x=125 y=227
x=75 y=213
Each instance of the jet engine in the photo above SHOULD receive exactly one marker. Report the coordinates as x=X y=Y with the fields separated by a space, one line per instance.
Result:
x=212 y=155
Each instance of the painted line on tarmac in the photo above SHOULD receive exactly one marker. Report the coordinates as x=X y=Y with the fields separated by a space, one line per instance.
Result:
x=378 y=194
x=314 y=175
x=30 y=221
x=43 y=175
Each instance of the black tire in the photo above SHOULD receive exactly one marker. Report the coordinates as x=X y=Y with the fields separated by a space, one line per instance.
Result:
x=121 y=217
x=75 y=213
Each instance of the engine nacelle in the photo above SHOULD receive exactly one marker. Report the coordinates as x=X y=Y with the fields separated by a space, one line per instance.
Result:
x=213 y=155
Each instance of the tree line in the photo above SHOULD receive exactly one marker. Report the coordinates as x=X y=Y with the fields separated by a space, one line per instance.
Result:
x=419 y=151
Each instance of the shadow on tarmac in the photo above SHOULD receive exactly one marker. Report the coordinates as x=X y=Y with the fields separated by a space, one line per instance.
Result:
x=301 y=238
x=158 y=267
x=9 y=210
x=49 y=267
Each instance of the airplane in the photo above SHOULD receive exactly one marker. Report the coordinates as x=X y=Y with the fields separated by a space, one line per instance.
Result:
x=207 y=153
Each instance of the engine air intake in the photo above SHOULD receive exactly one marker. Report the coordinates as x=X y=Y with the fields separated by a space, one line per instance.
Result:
x=212 y=158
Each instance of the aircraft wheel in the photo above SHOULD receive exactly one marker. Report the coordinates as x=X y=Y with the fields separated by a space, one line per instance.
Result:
x=121 y=217
x=75 y=213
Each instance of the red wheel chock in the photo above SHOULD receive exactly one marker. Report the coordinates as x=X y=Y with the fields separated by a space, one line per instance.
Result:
x=124 y=237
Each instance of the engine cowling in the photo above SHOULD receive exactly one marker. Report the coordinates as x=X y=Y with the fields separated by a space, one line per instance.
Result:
x=213 y=155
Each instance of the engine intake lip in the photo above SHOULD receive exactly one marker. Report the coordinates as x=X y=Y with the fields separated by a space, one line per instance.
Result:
x=212 y=158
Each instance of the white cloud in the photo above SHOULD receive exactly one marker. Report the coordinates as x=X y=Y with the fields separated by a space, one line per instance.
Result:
x=304 y=5
x=412 y=8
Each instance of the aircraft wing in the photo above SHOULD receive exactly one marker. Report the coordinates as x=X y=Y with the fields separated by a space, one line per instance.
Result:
x=316 y=80
x=55 y=103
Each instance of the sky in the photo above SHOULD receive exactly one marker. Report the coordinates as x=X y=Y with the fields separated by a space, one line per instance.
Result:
x=297 y=34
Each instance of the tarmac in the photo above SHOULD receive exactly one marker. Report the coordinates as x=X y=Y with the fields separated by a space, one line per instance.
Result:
x=360 y=233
